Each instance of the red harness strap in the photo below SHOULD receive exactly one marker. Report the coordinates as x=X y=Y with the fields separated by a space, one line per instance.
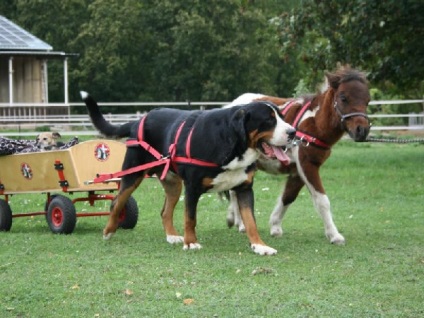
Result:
x=161 y=160
x=188 y=159
x=299 y=134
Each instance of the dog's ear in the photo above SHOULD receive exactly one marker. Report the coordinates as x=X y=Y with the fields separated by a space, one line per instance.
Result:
x=238 y=121
x=56 y=135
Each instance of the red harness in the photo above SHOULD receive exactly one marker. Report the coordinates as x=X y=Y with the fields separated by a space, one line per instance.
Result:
x=160 y=159
x=301 y=135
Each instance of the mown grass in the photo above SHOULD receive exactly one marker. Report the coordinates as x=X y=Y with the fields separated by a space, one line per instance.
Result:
x=377 y=196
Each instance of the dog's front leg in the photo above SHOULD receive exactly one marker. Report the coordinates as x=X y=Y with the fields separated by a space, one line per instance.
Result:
x=245 y=201
x=191 y=199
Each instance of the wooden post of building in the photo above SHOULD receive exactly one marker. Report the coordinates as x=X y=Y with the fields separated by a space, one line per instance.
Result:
x=11 y=80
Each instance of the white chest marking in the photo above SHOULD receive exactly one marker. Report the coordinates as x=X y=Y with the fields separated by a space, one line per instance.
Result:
x=234 y=173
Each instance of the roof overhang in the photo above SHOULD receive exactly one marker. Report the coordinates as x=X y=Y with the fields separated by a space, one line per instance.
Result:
x=39 y=54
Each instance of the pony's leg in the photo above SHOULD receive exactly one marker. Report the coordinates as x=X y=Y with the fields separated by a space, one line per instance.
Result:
x=291 y=191
x=172 y=185
x=233 y=213
x=128 y=184
x=312 y=179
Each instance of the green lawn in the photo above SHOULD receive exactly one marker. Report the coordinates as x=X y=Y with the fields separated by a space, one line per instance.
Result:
x=377 y=197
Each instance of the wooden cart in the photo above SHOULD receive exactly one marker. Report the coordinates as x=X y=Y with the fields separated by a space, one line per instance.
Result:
x=64 y=171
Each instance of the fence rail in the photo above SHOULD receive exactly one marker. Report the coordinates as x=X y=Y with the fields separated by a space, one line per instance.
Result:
x=23 y=116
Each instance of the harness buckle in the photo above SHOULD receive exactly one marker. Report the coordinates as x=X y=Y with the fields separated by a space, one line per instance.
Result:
x=303 y=141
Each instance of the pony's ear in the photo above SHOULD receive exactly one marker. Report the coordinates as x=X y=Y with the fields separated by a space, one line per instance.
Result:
x=238 y=125
x=333 y=80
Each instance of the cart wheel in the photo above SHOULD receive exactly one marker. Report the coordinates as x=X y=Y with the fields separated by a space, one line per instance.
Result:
x=46 y=205
x=129 y=215
x=61 y=215
x=5 y=216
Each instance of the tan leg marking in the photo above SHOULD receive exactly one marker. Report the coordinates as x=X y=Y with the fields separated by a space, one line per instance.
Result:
x=172 y=187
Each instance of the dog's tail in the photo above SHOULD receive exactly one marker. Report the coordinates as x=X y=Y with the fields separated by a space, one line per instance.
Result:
x=100 y=122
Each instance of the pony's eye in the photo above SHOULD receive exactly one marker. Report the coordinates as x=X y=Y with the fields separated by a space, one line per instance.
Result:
x=343 y=99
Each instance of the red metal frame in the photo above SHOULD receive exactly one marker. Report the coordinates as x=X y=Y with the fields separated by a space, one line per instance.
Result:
x=91 y=198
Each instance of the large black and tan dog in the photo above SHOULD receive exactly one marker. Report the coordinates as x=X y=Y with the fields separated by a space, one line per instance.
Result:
x=210 y=151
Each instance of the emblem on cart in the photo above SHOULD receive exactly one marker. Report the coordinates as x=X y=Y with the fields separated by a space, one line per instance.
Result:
x=26 y=170
x=102 y=152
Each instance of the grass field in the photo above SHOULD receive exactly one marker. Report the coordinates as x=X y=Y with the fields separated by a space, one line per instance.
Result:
x=377 y=197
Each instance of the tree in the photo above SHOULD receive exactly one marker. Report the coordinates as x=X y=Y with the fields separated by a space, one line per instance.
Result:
x=381 y=37
x=209 y=51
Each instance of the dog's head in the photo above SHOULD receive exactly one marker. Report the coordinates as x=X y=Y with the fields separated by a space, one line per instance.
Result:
x=261 y=126
x=47 y=140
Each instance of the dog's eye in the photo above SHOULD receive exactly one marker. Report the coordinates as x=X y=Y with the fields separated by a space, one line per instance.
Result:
x=45 y=138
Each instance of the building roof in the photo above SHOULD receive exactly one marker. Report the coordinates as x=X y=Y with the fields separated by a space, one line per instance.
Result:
x=13 y=37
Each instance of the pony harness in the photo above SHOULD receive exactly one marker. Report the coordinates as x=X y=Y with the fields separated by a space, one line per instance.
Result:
x=171 y=158
x=301 y=135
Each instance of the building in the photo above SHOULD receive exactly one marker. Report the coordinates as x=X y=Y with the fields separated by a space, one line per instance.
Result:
x=24 y=73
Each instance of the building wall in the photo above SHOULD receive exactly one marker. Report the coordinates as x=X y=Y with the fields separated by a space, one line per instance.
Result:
x=27 y=80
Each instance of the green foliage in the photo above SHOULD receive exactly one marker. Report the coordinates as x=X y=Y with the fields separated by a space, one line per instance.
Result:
x=177 y=50
x=212 y=52
x=377 y=36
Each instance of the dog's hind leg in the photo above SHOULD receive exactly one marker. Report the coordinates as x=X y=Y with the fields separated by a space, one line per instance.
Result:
x=128 y=184
x=172 y=185
x=245 y=201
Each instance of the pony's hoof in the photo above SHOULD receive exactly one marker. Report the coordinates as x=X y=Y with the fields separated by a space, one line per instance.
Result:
x=108 y=236
x=276 y=231
x=241 y=228
x=230 y=222
x=337 y=239
x=230 y=217
x=263 y=249
x=192 y=246
x=174 y=239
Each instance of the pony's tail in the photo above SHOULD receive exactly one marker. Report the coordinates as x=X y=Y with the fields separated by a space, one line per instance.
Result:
x=98 y=120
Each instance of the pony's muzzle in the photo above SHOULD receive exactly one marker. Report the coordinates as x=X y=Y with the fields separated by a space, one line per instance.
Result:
x=361 y=133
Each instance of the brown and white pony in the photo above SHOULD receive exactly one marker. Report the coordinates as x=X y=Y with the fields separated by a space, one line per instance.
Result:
x=322 y=119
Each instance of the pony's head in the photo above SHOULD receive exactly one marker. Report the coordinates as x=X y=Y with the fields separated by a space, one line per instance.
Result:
x=351 y=98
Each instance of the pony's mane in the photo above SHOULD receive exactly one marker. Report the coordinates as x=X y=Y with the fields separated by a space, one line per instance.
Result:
x=342 y=75
x=347 y=74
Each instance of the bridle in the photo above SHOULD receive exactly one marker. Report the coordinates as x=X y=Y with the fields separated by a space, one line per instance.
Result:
x=343 y=117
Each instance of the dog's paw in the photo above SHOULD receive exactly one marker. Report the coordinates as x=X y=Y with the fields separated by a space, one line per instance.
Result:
x=174 y=239
x=263 y=249
x=192 y=246
x=108 y=236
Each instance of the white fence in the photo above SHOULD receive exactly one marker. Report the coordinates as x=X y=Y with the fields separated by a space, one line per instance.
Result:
x=24 y=118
